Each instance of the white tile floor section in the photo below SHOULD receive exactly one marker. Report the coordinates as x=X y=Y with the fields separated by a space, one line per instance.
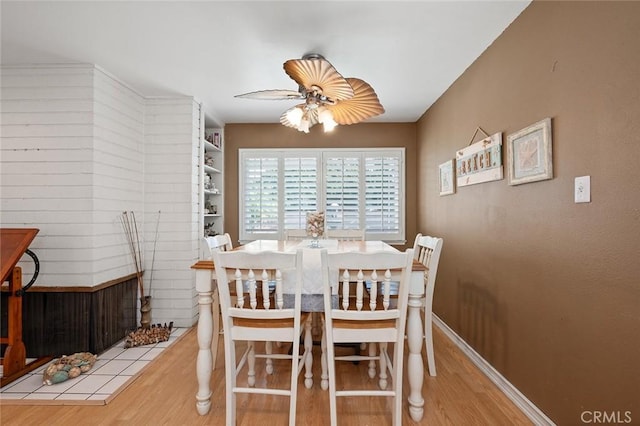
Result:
x=115 y=368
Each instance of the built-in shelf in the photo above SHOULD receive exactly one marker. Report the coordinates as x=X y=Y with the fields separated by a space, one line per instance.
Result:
x=211 y=169
x=213 y=180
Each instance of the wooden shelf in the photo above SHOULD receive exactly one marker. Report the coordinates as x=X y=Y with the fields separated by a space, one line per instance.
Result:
x=211 y=169
x=214 y=173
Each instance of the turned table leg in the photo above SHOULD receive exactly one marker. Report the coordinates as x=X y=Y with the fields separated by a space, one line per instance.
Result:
x=204 y=361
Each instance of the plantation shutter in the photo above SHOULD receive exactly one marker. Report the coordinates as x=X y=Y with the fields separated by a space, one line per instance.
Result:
x=260 y=195
x=342 y=194
x=300 y=190
x=382 y=196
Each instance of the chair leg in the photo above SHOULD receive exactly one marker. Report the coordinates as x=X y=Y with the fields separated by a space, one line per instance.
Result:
x=268 y=349
x=372 y=362
x=383 y=365
x=428 y=342
x=231 y=379
x=397 y=368
x=293 y=386
x=397 y=399
x=251 y=363
x=331 y=379
x=215 y=307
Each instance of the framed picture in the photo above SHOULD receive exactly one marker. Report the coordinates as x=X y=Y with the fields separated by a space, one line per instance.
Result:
x=446 y=178
x=529 y=153
x=480 y=162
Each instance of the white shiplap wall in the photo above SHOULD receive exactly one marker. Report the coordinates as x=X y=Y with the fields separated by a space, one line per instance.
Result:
x=118 y=173
x=171 y=188
x=77 y=148
x=47 y=167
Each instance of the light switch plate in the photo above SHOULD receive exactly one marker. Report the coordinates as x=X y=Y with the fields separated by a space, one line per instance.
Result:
x=582 y=189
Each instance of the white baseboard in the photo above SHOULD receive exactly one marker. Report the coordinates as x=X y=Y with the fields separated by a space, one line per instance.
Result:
x=527 y=407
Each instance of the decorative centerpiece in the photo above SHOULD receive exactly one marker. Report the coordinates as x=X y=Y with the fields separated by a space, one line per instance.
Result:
x=315 y=227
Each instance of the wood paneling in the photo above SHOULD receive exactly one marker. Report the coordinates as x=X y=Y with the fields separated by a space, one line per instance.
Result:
x=62 y=322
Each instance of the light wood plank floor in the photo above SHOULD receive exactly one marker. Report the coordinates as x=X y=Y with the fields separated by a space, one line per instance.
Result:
x=164 y=394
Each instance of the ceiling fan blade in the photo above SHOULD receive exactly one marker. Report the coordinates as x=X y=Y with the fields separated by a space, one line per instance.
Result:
x=364 y=104
x=272 y=95
x=319 y=74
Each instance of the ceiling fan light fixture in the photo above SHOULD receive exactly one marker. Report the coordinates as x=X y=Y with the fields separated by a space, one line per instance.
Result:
x=326 y=118
x=329 y=125
x=294 y=115
x=304 y=125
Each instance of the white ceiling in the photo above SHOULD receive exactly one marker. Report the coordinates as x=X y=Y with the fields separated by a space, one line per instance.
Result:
x=410 y=52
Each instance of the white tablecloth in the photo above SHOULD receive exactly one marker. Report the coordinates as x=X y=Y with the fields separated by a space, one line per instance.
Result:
x=312 y=300
x=312 y=274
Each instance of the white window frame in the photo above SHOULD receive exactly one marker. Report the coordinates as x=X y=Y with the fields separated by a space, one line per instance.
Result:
x=321 y=155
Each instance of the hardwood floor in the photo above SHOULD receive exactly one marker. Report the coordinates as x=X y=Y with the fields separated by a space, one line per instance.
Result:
x=164 y=394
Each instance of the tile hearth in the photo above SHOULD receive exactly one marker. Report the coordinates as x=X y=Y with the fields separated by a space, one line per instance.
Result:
x=114 y=370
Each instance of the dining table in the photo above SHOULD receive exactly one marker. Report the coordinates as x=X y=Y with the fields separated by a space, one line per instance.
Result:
x=312 y=291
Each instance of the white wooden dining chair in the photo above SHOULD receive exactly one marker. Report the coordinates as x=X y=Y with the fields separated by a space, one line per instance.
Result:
x=376 y=320
x=346 y=234
x=296 y=234
x=220 y=242
x=251 y=313
x=427 y=251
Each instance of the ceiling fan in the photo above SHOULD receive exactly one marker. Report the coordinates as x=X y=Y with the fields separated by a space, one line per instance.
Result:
x=329 y=98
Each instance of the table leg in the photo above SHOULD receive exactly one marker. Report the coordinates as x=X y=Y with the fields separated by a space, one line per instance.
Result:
x=415 y=366
x=308 y=351
x=204 y=361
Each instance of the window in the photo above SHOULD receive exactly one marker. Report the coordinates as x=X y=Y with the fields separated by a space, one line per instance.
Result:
x=356 y=189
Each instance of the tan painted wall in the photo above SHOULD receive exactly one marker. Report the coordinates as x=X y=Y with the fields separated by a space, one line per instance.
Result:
x=546 y=290
x=374 y=135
